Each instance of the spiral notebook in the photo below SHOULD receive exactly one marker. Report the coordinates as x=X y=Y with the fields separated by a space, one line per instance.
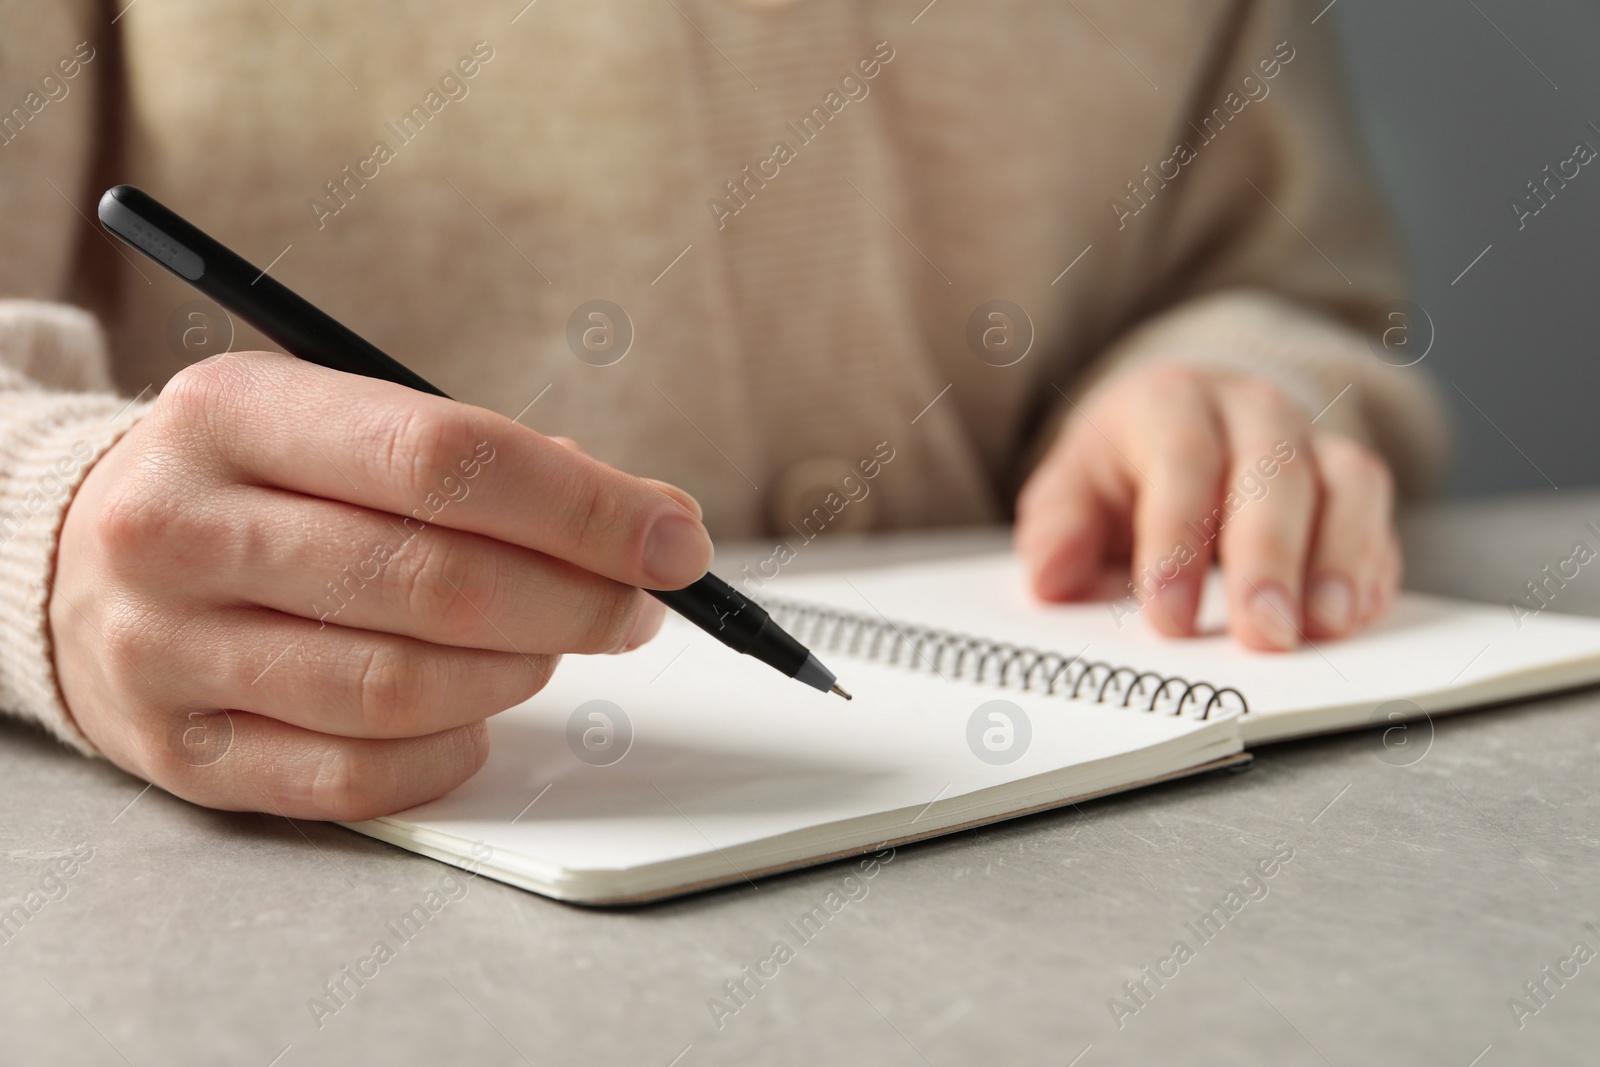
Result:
x=683 y=766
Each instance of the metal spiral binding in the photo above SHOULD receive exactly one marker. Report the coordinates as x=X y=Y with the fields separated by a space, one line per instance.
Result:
x=954 y=655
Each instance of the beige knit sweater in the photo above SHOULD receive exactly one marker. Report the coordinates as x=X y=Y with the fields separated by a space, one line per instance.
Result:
x=802 y=208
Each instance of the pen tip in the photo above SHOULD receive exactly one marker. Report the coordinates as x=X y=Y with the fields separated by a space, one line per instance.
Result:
x=837 y=688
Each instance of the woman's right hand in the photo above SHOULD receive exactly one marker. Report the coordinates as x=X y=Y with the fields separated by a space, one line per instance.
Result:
x=298 y=591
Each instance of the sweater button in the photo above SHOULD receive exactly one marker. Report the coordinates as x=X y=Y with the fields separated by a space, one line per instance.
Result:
x=821 y=493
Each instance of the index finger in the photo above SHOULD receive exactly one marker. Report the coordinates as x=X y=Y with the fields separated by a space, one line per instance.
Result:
x=278 y=421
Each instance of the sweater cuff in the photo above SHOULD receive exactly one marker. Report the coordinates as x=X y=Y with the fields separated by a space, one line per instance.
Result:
x=1327 y=367
x=48 y=441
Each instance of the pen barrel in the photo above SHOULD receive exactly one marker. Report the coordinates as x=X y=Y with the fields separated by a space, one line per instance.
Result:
x=303 y=329
x=741 y=624
x=307 y=332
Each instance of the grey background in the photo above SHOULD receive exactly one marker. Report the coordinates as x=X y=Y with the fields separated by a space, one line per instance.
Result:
x=1458 y=121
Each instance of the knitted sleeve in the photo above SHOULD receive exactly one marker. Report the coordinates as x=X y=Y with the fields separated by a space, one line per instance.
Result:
x=49 y=437
x=58 y=410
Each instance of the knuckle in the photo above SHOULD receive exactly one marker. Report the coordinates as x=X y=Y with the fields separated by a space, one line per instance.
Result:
x=445 y=584
x=131 y=518
x=1266 y=396
x=160 y=748
x=1080 y=438
x=152 y=752
x=1152 y=394
x=138 y=523
x=1171 y=380
x=390 y=690
x=345 y=787
x=1337 y=450
x=1348 y=461
x=421 y=446
x=129 y=635
x=195 y=394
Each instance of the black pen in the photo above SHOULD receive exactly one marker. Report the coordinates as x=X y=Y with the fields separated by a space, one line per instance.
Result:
x=316 y=337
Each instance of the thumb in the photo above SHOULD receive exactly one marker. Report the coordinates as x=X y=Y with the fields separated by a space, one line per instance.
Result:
x=671 y=490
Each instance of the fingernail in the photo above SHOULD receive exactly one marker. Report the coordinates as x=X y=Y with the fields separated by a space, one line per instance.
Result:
x=646 y=625
x=676 y=551
x=1332 y=603
x=1174 y=605
x=1274 y=615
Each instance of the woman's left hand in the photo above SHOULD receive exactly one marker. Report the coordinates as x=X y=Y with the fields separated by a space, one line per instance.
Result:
x=1167 y=466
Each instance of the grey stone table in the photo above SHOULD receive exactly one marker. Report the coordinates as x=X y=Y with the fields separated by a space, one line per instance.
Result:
x=1418 y=901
